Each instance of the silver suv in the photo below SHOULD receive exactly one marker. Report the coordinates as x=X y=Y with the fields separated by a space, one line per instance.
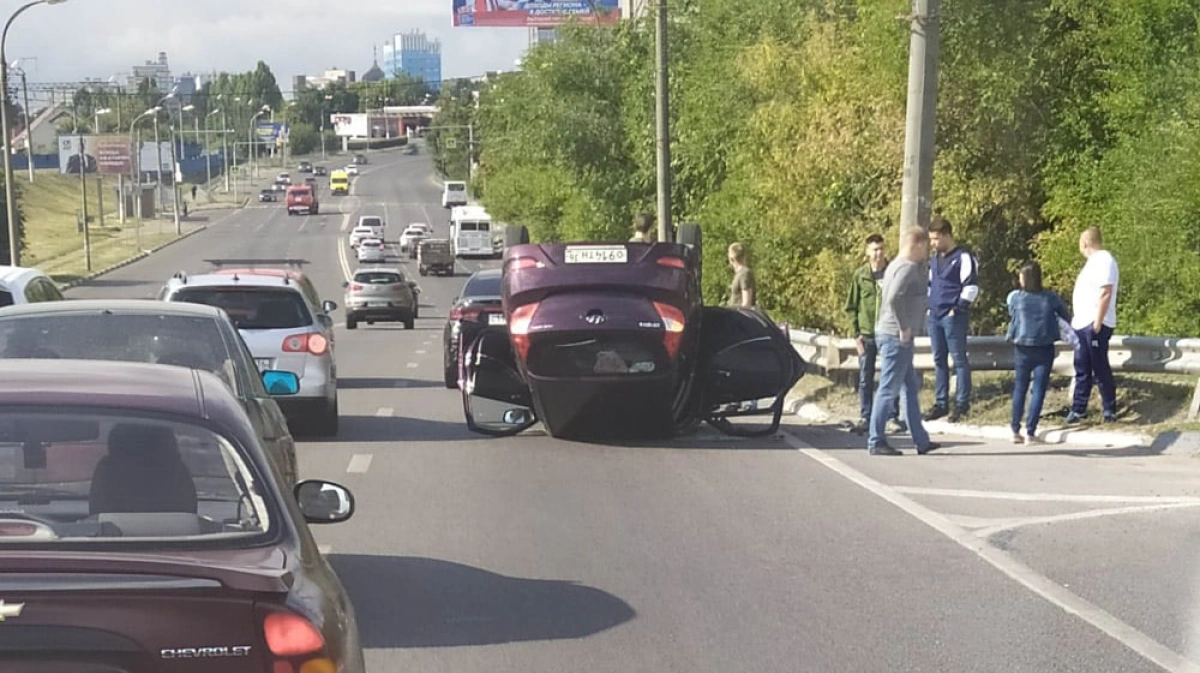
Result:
x=286 y=326
x=381 y=294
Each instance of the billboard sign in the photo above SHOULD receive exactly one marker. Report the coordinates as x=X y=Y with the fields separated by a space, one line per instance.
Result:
x=350 y=125
x=114 y=153
x=533 y=13
x=150 y=154
x=271 y=132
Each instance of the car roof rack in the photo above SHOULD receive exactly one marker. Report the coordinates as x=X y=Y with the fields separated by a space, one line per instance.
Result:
x=181 y=276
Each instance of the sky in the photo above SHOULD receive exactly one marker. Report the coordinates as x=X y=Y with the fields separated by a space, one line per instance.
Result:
x=81 y=39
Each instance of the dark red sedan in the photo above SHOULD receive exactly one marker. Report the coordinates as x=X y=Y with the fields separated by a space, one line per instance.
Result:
x=142 y=530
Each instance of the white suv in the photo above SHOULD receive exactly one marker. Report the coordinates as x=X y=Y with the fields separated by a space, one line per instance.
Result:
x=286 y=326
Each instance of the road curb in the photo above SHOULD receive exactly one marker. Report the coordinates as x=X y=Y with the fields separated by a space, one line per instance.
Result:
x=1173 y=442
x=140 y=256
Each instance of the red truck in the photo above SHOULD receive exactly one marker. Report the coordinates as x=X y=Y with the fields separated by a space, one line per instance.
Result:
x=302 y=198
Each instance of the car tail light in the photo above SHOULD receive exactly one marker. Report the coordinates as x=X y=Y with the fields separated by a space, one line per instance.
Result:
x=518 y=327
x=460 y=313
x=673 y=324
x=306 y=343
x=674 y=262
x=356 y=288
x=525 y=263
x=295 y=645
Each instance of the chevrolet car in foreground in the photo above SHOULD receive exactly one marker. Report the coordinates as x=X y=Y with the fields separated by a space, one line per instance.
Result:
x=613 y=340
x=144 y=530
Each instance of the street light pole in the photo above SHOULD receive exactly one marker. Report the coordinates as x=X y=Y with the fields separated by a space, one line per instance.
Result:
x=207 y=154
x=137 y=163
x=10 y=201
x=225 y=145
x=28 y=120
x=158 y=183
x=916 y=192
x=662 y=116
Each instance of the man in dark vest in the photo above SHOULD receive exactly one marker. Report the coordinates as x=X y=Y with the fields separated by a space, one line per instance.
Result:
x=953 y=287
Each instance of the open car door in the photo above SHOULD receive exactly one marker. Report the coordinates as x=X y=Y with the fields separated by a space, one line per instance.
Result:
x=745 y=360
x=496 y=400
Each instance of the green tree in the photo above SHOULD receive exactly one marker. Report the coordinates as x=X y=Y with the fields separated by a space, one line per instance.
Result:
x=4 y=256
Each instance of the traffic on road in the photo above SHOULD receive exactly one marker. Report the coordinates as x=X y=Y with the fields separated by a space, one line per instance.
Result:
x=364 y=427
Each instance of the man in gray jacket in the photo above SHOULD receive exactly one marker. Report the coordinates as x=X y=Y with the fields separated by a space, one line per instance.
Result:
x=901 y=317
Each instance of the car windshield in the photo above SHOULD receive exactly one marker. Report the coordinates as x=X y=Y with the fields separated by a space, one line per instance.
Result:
x=103 y=477
x=455 y=186
x=6 y=298
x=184 y=341
x=372 y=243
x=482 y=286
x=377 y=277
x=253 y=307
x=370 y=222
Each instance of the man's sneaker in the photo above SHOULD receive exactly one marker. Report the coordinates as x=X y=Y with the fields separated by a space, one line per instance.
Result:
x=957 y=415
x=897 y=427
x=1110 y=417
x=935 y=413
x=1018 y=439
x=884 y=450
x=933 y=446
x=859 y=427
x=1073 y=417
x=1032 y=440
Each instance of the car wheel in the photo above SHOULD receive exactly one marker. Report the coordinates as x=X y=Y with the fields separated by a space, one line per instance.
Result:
x=351 y=323
x=516 y=235
x=327 y=423
x=451 y=375
x=410 y=323
x=370 y=322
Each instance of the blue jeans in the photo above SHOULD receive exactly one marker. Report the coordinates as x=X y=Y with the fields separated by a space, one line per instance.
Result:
x=1032 y=362
x=896 y=374
x=866 y=381
x=948 y=336
x=1091 y=365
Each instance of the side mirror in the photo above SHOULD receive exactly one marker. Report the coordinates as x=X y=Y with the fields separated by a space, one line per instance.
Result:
x=280 y=383
x=328 y=305
x=324 y=501
x=345 y=283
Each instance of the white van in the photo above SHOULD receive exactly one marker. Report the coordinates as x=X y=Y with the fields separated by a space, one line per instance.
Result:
x=471 y=232
x=454 y=193
x=22 y=285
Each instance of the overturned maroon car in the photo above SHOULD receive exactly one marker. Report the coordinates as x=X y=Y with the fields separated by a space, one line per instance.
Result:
x=613 y=340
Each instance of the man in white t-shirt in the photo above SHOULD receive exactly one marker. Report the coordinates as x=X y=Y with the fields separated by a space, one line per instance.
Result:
x=1095 y=318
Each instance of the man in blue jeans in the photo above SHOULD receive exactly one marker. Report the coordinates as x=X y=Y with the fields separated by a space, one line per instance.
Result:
x=953 y=286
x=901 y=315
x=862 y=306
x=1095 y=308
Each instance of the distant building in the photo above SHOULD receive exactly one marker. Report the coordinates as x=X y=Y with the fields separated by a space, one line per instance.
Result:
x=415 y=55
x=374 y=73
x=331 y=76
x=158 y=72
x=44 y=127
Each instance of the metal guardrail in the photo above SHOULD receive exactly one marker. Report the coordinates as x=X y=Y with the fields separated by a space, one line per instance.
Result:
x=992 y=353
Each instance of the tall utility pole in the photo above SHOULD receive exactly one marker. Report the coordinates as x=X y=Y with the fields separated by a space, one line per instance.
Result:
x=28 y=121
x=87 y=241
x=916 y=205
x=225 y=144
x=662 y=114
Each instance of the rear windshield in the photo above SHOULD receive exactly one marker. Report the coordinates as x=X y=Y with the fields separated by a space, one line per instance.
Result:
x=370 y=222
x=103 y=478
x=183 y=341
x=482 y=286
x=253 y=308
x=455 y=186
x=377 y=277
x=372 y=243
x=301 y=192
x=6 y=298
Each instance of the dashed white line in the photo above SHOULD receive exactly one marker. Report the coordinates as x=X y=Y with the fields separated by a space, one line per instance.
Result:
x=1039 y=584
x=420 y=352
x=324 y=549
x=988 y=531
x=412 y=365
x=384 y=412
x=359 y=463
x=1042 y=497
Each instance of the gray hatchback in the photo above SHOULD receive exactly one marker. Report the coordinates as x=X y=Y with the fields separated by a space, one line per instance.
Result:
x=381 y=294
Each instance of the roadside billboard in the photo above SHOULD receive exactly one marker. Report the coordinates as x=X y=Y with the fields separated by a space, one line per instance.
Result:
x=350 y=125
x=271 y=132
x=105 y=154
x=533 y=13
x=150 y=154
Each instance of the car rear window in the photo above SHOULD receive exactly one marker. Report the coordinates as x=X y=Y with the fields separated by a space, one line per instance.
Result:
x=372 y=243
x=370 y=222
x=377 y=278
x=482 y=286
x=455 y=186
x=100 y=478
x=6 y=298
x=183 y=341
x=253 y=308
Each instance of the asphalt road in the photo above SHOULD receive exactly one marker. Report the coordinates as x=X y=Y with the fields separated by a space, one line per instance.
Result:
x=710 y=554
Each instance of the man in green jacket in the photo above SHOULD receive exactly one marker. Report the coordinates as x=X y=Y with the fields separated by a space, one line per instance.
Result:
x=862 y=305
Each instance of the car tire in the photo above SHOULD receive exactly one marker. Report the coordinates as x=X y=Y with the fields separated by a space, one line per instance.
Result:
x=351 y=323
x=451 y=376
x=516 y=235
x=327 y=423
x=422 y=271
x=411 y=323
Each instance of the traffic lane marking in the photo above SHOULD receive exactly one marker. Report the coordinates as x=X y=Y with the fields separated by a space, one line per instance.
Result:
x=1039 y=584
x=359 y=463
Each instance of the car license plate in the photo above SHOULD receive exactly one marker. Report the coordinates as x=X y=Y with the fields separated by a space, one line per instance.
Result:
x=596 y=254
x=495 y=318
x=377 y=304
x=263 y=364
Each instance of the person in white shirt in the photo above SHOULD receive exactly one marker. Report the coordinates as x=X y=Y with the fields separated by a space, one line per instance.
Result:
x=1095 y=310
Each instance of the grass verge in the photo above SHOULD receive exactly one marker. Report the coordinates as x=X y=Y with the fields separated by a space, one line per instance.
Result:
x=1148 y=403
